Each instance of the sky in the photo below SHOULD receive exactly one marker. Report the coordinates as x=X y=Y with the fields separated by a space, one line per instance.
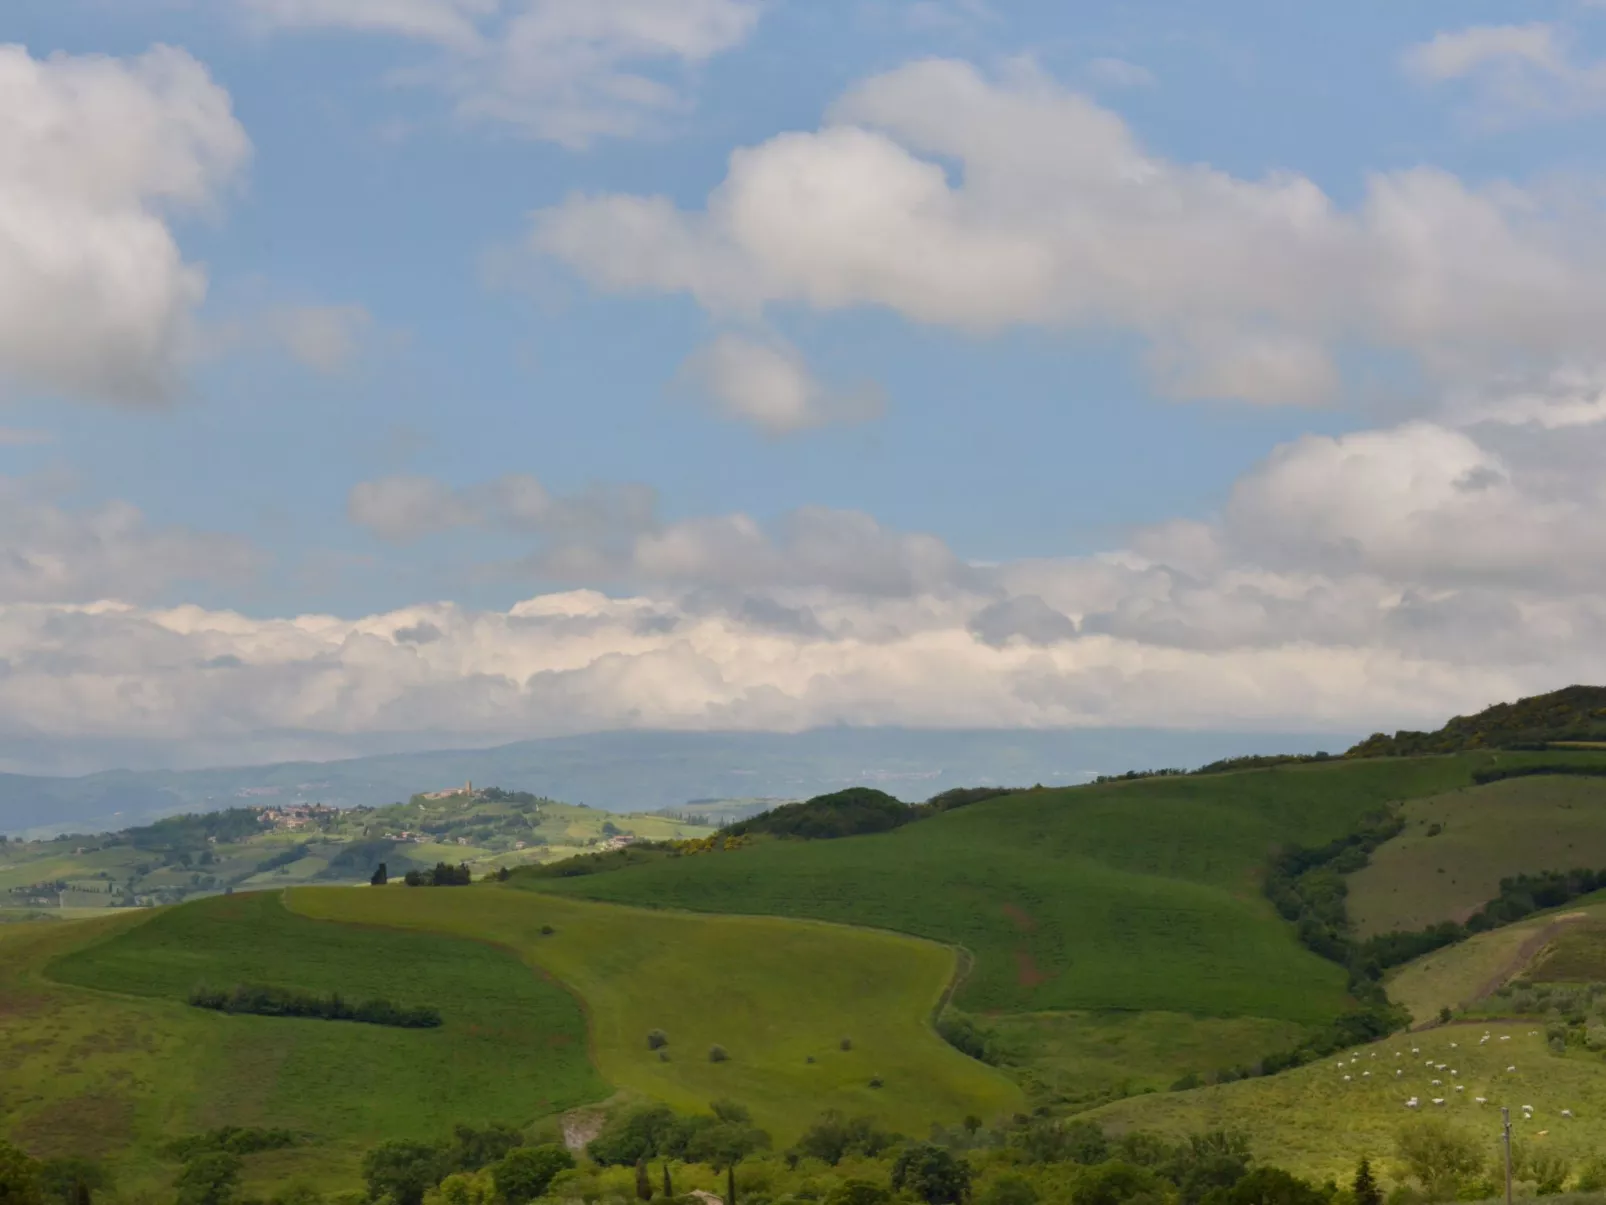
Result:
x=487 y=369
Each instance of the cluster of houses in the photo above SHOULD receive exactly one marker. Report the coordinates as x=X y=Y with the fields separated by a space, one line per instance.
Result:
x=452 y=792
x=617 y=842
x=295 y=815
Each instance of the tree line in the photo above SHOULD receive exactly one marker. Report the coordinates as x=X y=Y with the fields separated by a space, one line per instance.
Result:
x=264 y=1001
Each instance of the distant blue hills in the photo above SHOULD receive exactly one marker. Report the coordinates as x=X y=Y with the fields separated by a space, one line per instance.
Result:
x=642 y=771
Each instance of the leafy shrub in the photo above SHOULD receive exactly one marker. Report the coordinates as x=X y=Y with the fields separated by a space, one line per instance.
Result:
x=932 y=1173
x=718 y=1054
x=524 y=1174
x=236 y=1140
x=19 y=1177
x=657 y=1039
x=858 y=1192
x=834 y=1138
x=209 y=1179
x=403 y=1170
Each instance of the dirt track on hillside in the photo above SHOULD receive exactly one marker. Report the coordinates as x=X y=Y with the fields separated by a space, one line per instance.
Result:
x=1524 y=955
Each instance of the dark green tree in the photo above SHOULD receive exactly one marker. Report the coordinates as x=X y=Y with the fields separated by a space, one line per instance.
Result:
x=834 y=1137
x=381 y=876
x=210 y=1179
x=19 y=1178
x=858 y=1192
x=669 y=1186
x=1365 y=1189
x=1010 y=1189
x=932 y=1173
x=1268 y=1186
x=73 y=1180
x=1113 y=1184
x=643 y=1184
x=527 y=1172
x=403 y=1170
x=1218 y=1159
x=471 y=1149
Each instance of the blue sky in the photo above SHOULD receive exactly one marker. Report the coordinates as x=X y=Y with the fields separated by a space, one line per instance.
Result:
x=393 y=297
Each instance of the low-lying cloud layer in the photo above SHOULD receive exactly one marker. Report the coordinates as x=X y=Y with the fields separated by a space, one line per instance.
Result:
x=1385 y=577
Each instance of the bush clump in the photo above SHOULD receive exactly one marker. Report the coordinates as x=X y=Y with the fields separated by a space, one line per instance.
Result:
x=657 y=1039
x=718 y=1054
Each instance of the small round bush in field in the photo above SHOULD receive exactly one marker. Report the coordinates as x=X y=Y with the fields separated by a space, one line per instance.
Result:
x=875 y=1081
x=657 y=1039
x=717 y=1054
x=847 y=1043
x=547 y=930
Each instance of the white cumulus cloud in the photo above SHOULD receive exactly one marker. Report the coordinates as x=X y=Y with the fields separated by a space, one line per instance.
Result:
x=768 y=385
x=96 y=156
x=979 y=204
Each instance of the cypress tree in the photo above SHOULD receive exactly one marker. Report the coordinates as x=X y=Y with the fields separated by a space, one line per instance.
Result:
x=730 y=1183
x=643 y=1185
x=1366 y=1189
x=669 y=1189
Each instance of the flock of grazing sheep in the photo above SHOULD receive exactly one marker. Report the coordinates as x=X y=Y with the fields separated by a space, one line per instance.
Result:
x=1347 y=1068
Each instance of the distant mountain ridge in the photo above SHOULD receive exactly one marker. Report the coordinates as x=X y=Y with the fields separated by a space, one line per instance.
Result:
x=642 y=771
x=1572 y=715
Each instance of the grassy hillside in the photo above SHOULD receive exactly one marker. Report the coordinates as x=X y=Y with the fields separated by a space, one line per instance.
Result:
x=1456 y=848
x=1314 y=1121
x=1133 y=895
x=1574 y=715
x=778 y=995
x=348 y=1084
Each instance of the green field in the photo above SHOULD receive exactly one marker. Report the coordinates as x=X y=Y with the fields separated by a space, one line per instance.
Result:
x=99 y=1053
x=1086 y=1058
x=1458 y=975
x=775 y=994
x=1577 y=954
x=348 y=1084
x=1486 y=833
x=1312 y=1121
x=1139 y=895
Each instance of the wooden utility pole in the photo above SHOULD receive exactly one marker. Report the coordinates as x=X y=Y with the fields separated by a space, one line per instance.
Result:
x=1505 y=1136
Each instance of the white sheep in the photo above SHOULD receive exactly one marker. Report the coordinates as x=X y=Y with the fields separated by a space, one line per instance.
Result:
x=1412 y=1103
x=1366 y=1075
x=1513 y=1068
x=1454 y=1072
x=1398 y=1073
x=1437 y=1084
x=1438 y=1100
x=1480 y=1100
x=1505 y=1037
x=1346 y=1079
x=1415 y=1050
x=1452 y=1045
x=1566 y=1112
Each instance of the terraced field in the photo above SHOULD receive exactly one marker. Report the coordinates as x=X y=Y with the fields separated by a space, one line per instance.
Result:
x=1457 y=846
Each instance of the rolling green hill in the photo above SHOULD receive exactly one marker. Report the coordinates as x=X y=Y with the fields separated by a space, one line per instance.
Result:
x=1456 y=848
x=1574 y=715
x=1133 y=895
x=778 y=995
x=104 y=1056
